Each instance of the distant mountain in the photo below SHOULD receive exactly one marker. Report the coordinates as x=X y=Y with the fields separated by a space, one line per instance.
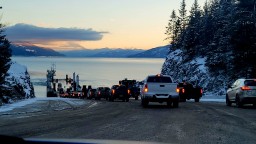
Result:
x=104 y=52
x=158 y=52
x=31 y=50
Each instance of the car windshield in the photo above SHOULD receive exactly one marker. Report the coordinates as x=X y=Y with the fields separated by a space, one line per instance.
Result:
x=132 y=71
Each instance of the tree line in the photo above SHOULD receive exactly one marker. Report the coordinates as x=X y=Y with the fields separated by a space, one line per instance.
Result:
x=223 y=31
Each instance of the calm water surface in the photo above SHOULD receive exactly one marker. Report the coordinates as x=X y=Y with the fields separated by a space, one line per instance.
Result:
x=92 y=71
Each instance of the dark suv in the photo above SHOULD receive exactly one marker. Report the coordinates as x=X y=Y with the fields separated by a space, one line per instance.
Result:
x=119 y=92
x=102 y=92
x=91 y=93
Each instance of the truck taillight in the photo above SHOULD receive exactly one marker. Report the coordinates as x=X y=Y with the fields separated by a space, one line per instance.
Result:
x=146 y=88
x=128 y=91
x=183 y=90
x=113 y=91
x=201 y=91
x=245 y=88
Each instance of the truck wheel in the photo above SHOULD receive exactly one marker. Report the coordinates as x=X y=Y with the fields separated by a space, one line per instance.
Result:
x=111 y=99
x=182 y=100
x=144 y=103
x=169 y=104
x=228 y=102
x=176 y=104
x=196 y=99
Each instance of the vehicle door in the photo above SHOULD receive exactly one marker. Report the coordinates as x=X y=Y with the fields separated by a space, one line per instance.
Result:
x=232 y=91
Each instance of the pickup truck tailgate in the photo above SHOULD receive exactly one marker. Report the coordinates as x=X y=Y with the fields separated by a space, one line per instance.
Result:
x=162 y=88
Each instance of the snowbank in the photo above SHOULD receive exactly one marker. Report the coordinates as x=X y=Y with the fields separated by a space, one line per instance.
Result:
x=24 y=103
x=18 y=83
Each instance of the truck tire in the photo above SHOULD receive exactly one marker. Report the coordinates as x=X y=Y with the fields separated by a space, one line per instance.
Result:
x=183 y=100
x=169 y=104
x=111 y=99
x=176 y=104
x=197 y=99
x=144 y=103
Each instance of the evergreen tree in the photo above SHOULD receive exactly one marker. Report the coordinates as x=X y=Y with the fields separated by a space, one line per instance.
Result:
x=191 y=39
x=5 y=56
x=183 y=15
x=170 y=29
x=243 y=38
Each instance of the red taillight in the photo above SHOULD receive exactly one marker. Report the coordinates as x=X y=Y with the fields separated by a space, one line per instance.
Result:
x=245 y=88
x=201 y=91
x=183 y=90
x=146 y=88
x=177 y=90
x=113 y=91
x=128 y=91
x=99 y=93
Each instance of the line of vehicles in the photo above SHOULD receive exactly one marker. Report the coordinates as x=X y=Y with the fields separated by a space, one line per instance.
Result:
x=123 y=91
x=155 y=88
x=162 y=88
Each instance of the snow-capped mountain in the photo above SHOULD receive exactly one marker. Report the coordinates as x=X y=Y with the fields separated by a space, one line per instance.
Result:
x=31 y=50
x=158 y=52
x=103 y=52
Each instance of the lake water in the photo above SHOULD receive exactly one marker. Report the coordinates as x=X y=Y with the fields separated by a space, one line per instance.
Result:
x=92 y=71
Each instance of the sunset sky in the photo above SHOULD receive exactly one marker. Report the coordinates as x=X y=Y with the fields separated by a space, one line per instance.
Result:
x=76 y=24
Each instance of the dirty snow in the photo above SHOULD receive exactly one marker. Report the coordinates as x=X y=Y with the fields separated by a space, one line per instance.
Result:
x=22 y=103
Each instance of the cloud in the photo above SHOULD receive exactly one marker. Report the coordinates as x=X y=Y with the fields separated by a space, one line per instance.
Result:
x=31 y=33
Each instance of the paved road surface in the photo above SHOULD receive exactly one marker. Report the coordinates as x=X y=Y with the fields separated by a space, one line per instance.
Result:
x=204 y=122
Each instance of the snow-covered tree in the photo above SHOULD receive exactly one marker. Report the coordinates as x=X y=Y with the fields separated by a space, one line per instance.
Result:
x=5 y=56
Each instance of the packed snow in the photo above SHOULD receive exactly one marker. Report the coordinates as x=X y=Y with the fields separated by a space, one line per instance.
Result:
x=23 y=103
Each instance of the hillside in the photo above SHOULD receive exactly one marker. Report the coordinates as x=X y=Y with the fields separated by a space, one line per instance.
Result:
x=31 y=50
x=103 y=52
x=158 y=52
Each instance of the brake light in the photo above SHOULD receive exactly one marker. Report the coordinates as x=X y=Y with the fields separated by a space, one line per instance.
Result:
x=146 y=88
x=201 y=91
x=99 y=93
x=113 y=91
x=177 y=90
x=129 y=91
x=245 y=88
x=183 y=90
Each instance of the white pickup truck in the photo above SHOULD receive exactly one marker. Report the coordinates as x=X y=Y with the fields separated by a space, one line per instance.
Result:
x=159 y=88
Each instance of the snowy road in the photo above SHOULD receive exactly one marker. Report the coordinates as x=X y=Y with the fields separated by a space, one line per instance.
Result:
x=204 y=122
